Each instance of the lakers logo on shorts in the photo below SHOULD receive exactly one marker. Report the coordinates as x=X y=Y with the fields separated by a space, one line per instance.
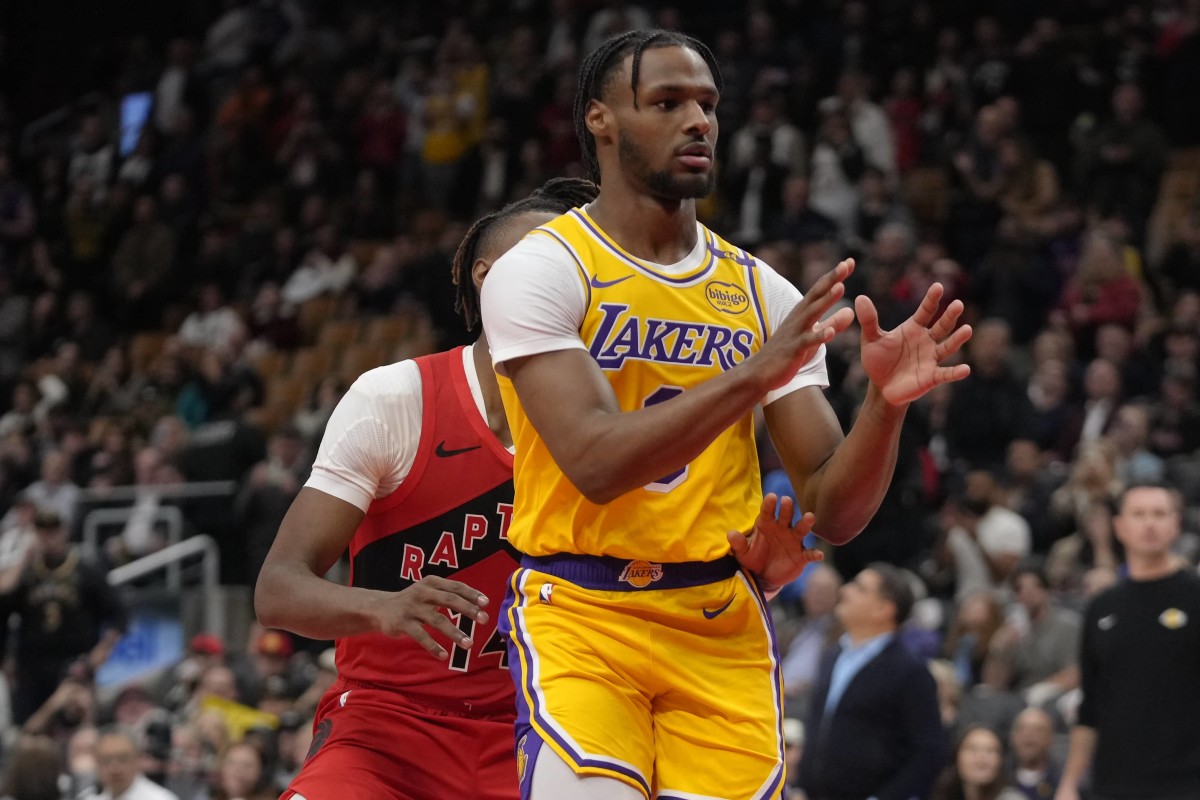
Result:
x=522 y=759
x=640 y=574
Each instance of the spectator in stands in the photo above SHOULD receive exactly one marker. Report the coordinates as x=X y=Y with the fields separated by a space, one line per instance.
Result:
x=241 y=775
x=328 y=268
x=177 y=683
x=796 y=221
x=877 y=208
x=838 y=161
x=14 y=317
x=1120 y=166
x=1175 y=415
x=756 y=192
x=1078 y=507
x=269 y=660
x=142 y=267
x=949 y=692
x=268 y=493
x=67 y=612
x=868 y=122
x=81 y=758
x=785 y=145
x=1100 y=292
x=34 y=770
x=989 y=540
x=91 y=332
x=55 y=491
x=1129 y=431
x=92 y=155
x=1036 y=653
x=818 y=630
x=1090 y=416
x=118 y=768
x=188 y=769
x=988 y=409
x=977 y=769
x=1029 y=185
x=115 y=385
x=310 y=420
x=69 y=712
x=1027 y=485
x=17 y=538
x=871 y=690
x=1033 y=768
x=905 y=108
x=21 y=414
x=975 y=211
x=271 y=321
x=969 y=639
x=213 y=324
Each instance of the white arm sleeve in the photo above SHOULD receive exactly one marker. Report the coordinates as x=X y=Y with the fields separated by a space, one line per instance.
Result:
x=371 y=440
x=533 y=300
x=782 y=297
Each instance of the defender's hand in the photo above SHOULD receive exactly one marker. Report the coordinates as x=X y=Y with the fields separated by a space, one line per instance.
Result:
x=411 y=611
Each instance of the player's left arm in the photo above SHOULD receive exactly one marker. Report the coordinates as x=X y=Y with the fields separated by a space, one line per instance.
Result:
x=842 y=480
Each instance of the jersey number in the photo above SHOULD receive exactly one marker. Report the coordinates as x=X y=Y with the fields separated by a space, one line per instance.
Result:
x=460 y=657
x=669 y=481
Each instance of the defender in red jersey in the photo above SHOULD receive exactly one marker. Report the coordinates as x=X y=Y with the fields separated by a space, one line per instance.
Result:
x=414 y=477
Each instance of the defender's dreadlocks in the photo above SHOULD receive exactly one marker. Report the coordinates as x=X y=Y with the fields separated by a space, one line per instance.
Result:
x=556 y=196
x=598 y=67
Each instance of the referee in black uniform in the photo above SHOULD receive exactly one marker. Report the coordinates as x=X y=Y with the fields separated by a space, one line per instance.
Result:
x=1139 y=721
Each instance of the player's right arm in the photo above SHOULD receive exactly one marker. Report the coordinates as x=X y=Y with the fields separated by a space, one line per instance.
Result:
x=355 y=460
x=605 y=451
x=1079 y=758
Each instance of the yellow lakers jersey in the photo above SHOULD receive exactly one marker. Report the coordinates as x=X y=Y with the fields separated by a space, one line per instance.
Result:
x=654 y=335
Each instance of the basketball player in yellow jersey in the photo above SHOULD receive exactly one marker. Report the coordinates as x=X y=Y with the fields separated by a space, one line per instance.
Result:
x=634 y=345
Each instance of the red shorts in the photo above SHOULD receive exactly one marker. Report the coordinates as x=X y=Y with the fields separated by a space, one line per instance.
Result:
x=375 y=744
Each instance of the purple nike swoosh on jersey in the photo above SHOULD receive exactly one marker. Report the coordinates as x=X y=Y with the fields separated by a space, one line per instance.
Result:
x=714 y=614
x=599 y=284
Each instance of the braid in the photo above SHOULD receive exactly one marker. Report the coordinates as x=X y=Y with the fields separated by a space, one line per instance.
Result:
x=556 y=196
x=598 y=67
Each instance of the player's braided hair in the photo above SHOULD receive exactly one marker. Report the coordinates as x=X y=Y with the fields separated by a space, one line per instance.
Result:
x=598 y=67
x=556 y=196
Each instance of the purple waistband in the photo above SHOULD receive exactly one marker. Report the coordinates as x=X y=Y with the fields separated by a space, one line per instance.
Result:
x=629 y=575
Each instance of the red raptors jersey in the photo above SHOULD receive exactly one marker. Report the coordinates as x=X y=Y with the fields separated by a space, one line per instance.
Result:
x=449 y=517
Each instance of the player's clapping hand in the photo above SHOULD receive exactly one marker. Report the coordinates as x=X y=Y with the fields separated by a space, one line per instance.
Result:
x=774 y=552
x=802 y=332
x=417 y=610
x=905 y=362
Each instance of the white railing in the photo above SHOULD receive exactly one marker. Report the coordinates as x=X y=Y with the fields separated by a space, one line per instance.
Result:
x=170 y=515
x=169 y=557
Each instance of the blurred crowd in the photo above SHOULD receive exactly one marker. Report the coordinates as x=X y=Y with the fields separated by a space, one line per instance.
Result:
x=185 y=293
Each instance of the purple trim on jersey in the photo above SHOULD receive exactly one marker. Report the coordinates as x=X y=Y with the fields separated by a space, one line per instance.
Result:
x=751 y=279
x=605 y=573
x=519 y=644
x=776 y=688
x=703 y=272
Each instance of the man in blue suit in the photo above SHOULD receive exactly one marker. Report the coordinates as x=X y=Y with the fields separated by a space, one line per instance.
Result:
x=874 y=732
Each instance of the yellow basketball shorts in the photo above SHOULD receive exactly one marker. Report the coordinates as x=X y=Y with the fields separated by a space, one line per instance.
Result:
x=662 y=676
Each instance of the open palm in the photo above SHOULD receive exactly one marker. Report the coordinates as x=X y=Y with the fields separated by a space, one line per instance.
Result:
x=906 y=362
